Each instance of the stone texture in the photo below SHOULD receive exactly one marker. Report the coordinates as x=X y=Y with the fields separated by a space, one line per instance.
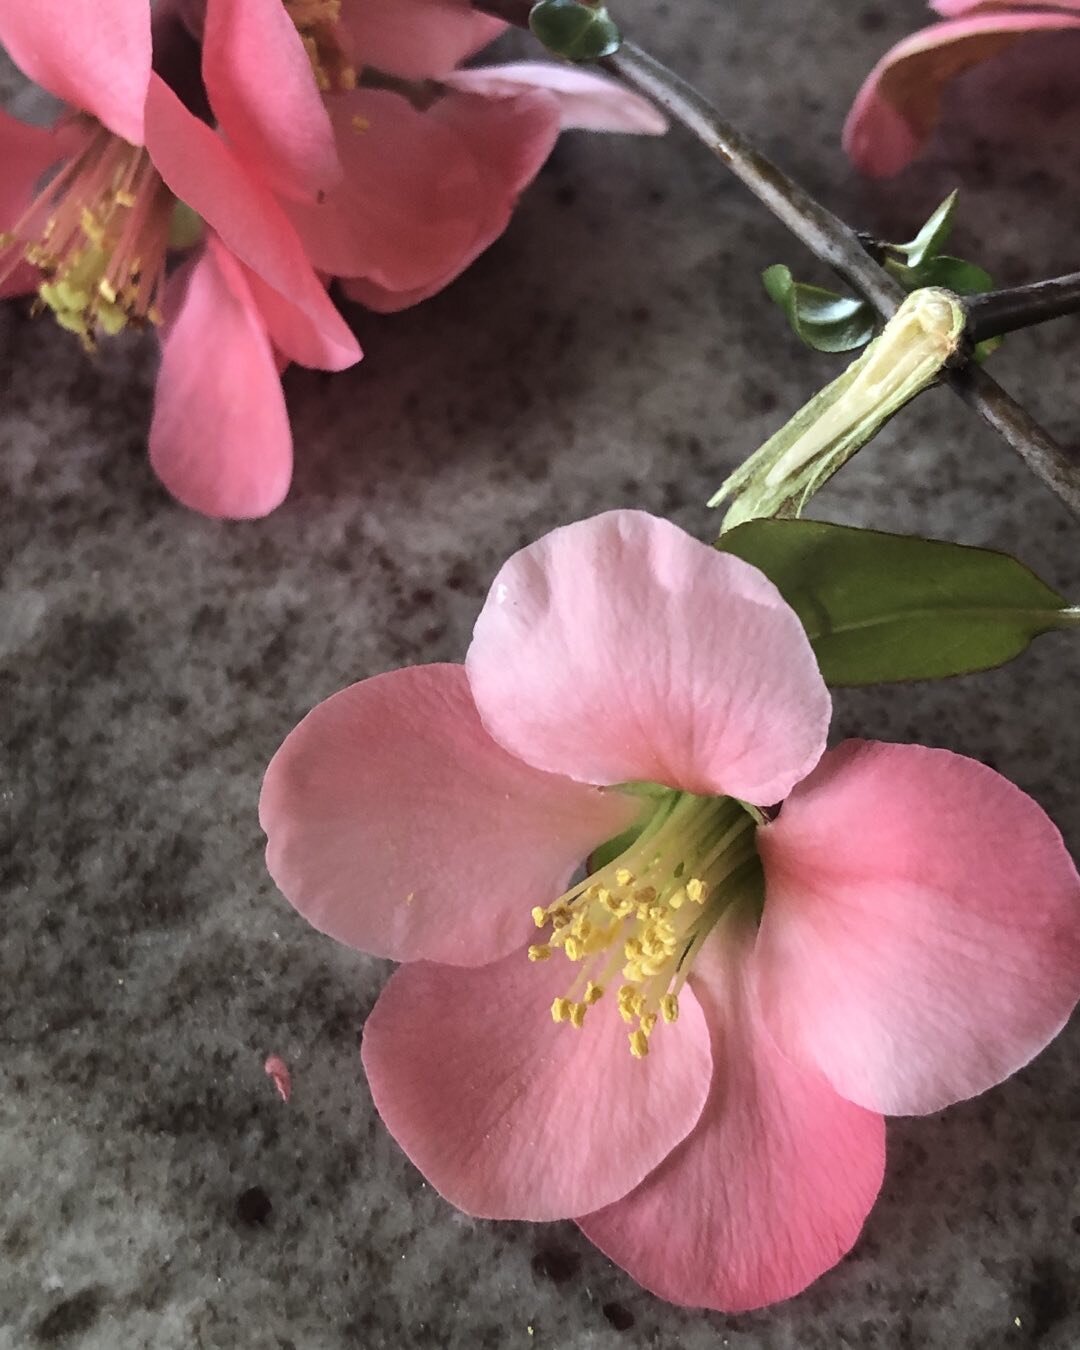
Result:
x=613 y=348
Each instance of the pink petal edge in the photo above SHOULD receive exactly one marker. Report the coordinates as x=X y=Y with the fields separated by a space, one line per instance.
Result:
x=921 y=933
x=770 y=1189
x=219 y=438
x=397 y=826
x=620 y=649
x=507 y=1114
x=95 y=57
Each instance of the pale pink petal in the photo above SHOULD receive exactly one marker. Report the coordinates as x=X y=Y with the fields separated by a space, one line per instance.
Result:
x=94 y=56
x=771 y=1188
x=921 y=937
x=586 y=101
x=264 y=96
x=899 y=103
x=951 y=9
x=277 y=1071
x=219 y=438
x=202 y=171
x=620 y=648
x=416 y=38
x=396 y=824
x=512 y=1117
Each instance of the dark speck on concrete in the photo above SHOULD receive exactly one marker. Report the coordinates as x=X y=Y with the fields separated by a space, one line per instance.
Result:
x=253 y=1206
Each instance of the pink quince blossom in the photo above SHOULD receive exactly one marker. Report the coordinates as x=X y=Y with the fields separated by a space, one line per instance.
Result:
x=899 y=103
x=394 y=189
x=700 y=1085
x=97 y=234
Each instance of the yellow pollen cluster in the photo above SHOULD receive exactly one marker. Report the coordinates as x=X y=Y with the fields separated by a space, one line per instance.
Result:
x=98 y=233
x=318 y=23
x=638 y=927
x=622 y=929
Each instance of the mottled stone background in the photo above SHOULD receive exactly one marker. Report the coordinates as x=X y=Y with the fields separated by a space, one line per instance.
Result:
x=613 y=349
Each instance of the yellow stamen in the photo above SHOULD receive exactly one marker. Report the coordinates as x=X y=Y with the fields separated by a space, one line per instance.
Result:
x=319 y=24
x=647 y=912
x=639 y=1044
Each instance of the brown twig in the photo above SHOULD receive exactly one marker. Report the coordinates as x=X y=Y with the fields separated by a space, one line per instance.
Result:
x=998 y=312
x=829 y=239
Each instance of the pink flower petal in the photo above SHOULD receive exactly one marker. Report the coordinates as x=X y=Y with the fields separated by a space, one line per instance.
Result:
x=295 y=335
x=771 y=1188
x=202 y=171
x=506 y=141
x=586 y=101
x=27 y=153
x=95 y=57
x=417 y=39
x=620 y=649
x=921 y=937
x=219 y=438
x=951 y=9
x=409 y=196
x=277 y=1071
x=396 y=824
x=263 y=93
x=512 y=1117
x=898 y=105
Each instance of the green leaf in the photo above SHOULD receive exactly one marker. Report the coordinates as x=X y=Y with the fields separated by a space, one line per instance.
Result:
x=822 y=319
x=930 y=240
x=882 y=607
x=576 y=31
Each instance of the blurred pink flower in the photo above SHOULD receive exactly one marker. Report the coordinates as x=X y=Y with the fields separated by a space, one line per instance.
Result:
x=904 y=934
x=93 y=241
x=898 y=105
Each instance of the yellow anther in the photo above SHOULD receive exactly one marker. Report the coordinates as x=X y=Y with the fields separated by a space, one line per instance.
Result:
x=593 y=993
x=639 y=1044
x=647 y=1023
x=632 y=949
x=560 y=1010
x=677 y=900
x=577 y=1014
x=359 y=123
x=669 y=1008
x=624 y=877
x=581 y=927
x=572 y=948
x=697 y=890
x=539 y=916
x=539 y=953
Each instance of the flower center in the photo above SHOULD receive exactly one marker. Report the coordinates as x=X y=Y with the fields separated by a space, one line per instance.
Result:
x=318 y=23
x=98 y=232
x=641 y=917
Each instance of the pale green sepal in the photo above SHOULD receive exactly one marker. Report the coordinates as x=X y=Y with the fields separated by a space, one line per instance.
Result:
x=907 y=356
x=185 y=227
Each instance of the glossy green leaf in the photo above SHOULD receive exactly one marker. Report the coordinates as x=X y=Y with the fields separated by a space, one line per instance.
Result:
x=883 y=607
x=931 y=239
x=578 y=32
x=822 y=319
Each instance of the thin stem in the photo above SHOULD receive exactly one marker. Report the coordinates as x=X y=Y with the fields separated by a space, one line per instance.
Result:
x=998 y=312
x=828 y=238
x=1015 y=425
x=825 y=235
